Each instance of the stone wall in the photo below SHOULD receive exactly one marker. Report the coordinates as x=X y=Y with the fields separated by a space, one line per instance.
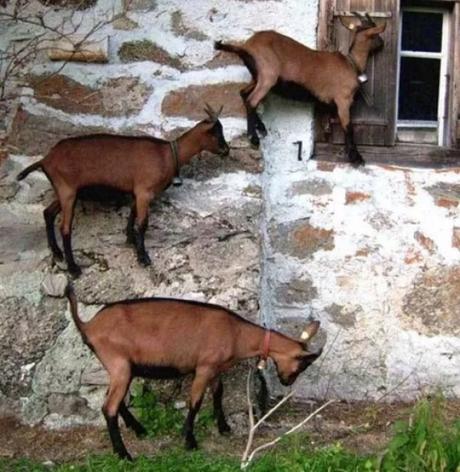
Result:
x=373 y=253
x=203 y=237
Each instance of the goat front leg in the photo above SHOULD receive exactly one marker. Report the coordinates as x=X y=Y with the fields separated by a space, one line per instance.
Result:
x=50 y=214
x=131 y=422
x=202 y=379
x=217 y=394
x=143 y=199
x=343 y=108
x=67 y=199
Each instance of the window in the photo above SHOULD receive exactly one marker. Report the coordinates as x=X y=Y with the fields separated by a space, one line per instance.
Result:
x=423 y=71
x=413 y=115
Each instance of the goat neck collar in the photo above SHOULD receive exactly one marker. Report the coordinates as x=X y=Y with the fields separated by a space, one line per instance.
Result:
x=177 y=181
x=265 y=350
x=352 y=61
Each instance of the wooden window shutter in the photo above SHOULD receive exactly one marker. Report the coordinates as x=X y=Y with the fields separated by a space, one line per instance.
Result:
x=373 y=124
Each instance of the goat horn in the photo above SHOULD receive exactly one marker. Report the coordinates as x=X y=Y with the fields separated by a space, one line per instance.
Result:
x=358 y=15
x=210 y=112
x=370 y=20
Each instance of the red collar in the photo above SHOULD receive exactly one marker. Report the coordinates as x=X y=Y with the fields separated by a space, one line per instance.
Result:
x=266 y=348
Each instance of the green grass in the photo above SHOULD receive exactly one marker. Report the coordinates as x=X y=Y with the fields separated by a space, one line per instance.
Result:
x=424 y=443
x=330 y=459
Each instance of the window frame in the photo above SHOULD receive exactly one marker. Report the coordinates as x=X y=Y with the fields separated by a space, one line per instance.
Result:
x=442 y=123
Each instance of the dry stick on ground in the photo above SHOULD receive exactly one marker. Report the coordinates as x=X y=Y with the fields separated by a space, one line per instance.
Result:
x=247 y=456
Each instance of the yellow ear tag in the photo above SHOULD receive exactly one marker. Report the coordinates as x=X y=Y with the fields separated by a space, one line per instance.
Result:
x=352 y=26
x=262 y=364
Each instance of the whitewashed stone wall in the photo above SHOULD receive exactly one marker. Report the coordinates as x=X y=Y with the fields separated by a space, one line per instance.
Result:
x=373 y=253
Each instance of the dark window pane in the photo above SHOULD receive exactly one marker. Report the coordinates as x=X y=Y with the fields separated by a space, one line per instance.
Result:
x=421 y=31
x=418 y=89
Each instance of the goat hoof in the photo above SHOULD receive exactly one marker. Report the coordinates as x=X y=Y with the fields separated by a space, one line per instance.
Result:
x=125 y=456
x=144 y=260
x=140 y=433
x=58 y=256
x=224 y=429
x=190 y=443
x=356 y=160
x=255 y=141
x=75 y=271
x=262 y=130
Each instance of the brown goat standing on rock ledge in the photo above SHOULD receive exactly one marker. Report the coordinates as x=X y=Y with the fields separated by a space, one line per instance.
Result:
x=167 y=338
x=143 y=166
x=279 y=63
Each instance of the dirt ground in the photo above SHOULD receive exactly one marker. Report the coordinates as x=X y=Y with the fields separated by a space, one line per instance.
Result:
x=360 y=427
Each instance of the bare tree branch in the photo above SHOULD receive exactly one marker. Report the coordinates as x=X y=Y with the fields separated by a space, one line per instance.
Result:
x=248 y=456
x=42 y=26
x=279 y=438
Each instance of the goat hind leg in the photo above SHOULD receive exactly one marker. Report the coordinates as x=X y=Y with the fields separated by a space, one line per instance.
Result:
x=50 y=213
x=263 y=86
x=67 y=200
x=143 y=199
x=131 y=422
x=119 y=383
x=251 y=115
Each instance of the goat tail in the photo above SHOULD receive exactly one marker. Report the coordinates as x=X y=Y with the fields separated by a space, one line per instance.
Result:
x=28 y=170
x=248 y=60
x=70 y=294
x=220 y=46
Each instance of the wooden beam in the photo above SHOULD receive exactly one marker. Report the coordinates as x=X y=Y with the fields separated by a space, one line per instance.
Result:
x=410 y=155
x=72 y=49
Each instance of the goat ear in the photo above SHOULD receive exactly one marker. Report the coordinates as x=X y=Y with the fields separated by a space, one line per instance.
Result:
x=309 y=331
x=348 y=23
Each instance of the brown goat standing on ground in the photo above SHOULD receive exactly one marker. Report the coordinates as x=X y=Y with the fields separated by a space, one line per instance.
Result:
x=144 y=166
x=167 y=338
x=277 y=62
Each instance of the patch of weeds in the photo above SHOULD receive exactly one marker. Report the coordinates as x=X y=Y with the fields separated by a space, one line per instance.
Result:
x=161 y=418
x=425 y=443
x=157 y=418
x=145 y=50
